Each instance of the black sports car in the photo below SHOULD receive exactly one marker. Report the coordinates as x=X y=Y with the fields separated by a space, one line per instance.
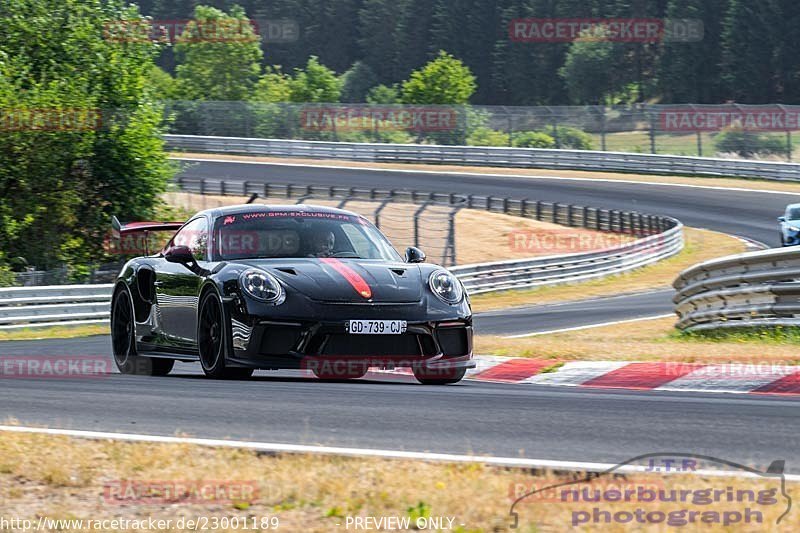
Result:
x=287 y=287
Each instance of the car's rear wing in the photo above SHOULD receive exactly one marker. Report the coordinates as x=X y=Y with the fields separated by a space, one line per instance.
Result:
x=119 y=231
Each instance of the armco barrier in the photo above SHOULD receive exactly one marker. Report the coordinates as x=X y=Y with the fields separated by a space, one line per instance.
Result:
x=659 y=238
x=55 y=305
x=755 y=289
x=489 y=156
x=507 y=275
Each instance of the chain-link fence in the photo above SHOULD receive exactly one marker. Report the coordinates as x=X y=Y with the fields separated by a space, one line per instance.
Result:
x=732 y=131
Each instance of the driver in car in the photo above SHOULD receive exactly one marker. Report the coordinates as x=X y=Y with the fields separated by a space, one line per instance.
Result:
x=322 y=244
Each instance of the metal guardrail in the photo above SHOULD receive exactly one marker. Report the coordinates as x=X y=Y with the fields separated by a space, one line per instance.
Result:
x=754 y=289
x=659 y=238
x=490 y=156
x=54 y=306
x=508 y=275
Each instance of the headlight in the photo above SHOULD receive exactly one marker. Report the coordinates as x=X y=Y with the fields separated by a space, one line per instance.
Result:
x=446 y=286
x=262 y=286
x=794 y=228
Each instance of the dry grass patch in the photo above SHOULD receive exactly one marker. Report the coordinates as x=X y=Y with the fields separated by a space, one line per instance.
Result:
x=701 y=245
x=62 y=478
x=643 y=341
x=755 y=184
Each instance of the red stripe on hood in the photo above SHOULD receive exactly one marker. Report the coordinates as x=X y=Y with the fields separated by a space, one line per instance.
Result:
x=353 y=277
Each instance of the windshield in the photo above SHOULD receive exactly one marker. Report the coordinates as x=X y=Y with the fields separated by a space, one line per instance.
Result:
x=793 y=213
x=294 y=235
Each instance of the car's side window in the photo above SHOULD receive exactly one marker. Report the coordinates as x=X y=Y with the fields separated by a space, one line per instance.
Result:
x=194 y=235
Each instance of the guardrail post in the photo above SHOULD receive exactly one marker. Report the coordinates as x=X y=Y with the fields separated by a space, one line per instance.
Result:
x=585 y=217
x=538 y=210
x=417 y=214
x=555 y=213
x=570 y=221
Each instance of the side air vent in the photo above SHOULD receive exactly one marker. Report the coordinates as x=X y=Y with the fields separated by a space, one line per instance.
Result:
x=399 y=271
x=290 y=271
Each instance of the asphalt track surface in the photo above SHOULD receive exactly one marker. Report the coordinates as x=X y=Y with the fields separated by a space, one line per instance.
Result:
x=545 y=318
x=539 y=422
x=744 y=213
x=536 y=422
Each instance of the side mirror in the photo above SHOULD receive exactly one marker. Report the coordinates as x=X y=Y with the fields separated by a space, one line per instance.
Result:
x=415 y=255
x=781 y=219
x=179 y=254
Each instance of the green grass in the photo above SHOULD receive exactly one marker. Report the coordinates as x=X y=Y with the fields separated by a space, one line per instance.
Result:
x=778 y=335
x=669 y=143
x=55 y=332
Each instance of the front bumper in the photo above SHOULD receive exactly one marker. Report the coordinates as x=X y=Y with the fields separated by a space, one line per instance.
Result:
x=289 y=344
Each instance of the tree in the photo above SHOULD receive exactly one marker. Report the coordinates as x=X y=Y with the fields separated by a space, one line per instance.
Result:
x=378 y=41
x=445 y=80
x=219 y=56
x=161 y=85
x=80 y=137
x=273 y=87
x=748 y=51
x=689 y=72
x=384 y=94
x=317 y=83
x=586 y=71
x=357 y=82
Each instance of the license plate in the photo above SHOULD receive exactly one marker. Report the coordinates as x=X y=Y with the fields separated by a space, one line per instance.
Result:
x=377 y=327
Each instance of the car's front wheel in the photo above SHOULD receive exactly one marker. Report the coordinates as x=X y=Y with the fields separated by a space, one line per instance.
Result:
x=123 y=341
x=439 y=376
x=211 y=341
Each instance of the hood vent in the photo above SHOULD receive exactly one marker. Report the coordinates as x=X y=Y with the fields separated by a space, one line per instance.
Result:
x=290 y=271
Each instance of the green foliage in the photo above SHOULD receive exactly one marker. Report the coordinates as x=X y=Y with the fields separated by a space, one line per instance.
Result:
x=161 y=85
x=780 y=335
x=571 y=138
x=586 y=71
x=445 y=80
x=748 y=144
x=483 y=136
x=218 y=68
x=7 y=277
x=273 y=87
x=317 y=83
x=102 y=153
x=384 y=94
x=357 y=82
x=416 y=512
x=533 y=139
x=747 y=51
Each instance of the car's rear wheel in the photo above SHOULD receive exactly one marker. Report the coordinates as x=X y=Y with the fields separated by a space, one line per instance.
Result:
x=211 y=341
x=439 y=376
x=123 y=341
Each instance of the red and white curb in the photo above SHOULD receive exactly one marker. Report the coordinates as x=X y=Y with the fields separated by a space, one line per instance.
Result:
x=742 y=378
